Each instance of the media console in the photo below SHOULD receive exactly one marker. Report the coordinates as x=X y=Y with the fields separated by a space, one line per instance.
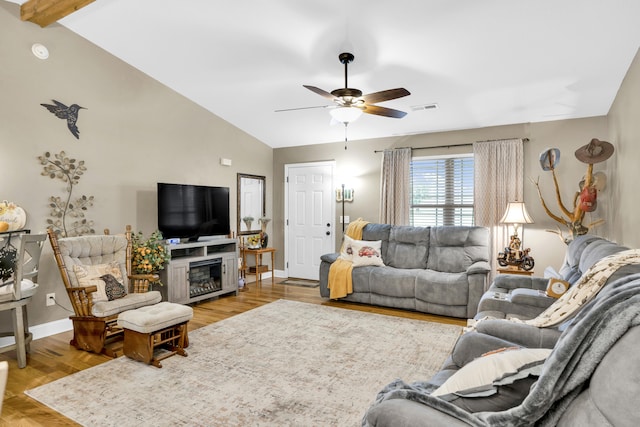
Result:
x=200 y=270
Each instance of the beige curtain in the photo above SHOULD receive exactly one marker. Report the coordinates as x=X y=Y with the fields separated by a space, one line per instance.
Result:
x=394 y=197
x=499 y=170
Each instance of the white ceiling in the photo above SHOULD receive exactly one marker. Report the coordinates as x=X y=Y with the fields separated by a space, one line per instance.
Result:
x=484 y=63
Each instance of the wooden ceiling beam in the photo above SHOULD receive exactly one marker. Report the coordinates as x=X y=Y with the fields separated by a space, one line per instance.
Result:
x=45 y=12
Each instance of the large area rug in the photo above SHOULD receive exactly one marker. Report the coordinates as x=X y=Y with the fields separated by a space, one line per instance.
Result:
x=283 y=364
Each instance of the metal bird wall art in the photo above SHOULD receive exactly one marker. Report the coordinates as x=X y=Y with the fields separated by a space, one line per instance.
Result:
x=70 y=114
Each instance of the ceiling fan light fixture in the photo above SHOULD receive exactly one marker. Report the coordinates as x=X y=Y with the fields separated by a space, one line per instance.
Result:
x=345 y=114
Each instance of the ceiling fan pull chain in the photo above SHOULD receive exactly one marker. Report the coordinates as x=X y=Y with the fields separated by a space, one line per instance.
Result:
x=345 y=135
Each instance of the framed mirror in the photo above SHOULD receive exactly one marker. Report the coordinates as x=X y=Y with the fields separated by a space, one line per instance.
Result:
x=251 y=203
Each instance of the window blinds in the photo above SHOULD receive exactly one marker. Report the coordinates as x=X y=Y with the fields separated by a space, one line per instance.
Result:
x=441 y=191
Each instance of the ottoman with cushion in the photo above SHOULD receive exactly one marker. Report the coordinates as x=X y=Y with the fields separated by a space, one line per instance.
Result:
x=155 y=327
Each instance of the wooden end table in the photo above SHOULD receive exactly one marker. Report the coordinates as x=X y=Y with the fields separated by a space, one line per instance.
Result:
x=259 y=268
x=511 y=270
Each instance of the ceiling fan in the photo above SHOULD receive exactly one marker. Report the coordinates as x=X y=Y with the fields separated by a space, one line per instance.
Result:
x=351 y=103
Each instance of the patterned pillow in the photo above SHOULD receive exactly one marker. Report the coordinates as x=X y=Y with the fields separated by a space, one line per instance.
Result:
x=89 y=275
x=113 y=288
x=362 y=252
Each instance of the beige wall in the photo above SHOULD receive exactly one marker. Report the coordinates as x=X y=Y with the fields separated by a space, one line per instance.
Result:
x=623 y=167
x=135 y=132
x=362 y=163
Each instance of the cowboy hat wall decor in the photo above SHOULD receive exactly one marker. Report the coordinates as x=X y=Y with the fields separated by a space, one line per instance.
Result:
x=585 y=199
x=594 y=152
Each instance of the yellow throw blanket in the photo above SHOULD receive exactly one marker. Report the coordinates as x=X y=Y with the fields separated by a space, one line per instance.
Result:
x=340 y=282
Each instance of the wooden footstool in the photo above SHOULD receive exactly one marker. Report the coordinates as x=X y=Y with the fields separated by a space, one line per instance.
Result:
x=155 y=327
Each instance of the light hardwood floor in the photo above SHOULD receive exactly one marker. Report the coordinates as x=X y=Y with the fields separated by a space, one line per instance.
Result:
x=52 y=358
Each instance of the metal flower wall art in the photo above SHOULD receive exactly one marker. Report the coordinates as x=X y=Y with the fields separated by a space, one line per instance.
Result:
x=585 y=199
x=70 y=114
x=67 y=216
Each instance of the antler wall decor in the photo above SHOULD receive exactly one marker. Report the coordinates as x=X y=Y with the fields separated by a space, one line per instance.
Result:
x=584 y=200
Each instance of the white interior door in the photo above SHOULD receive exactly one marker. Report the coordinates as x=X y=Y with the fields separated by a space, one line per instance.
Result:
x=310 y=207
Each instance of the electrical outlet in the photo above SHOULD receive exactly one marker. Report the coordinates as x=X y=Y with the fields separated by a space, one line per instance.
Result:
x=51 y=299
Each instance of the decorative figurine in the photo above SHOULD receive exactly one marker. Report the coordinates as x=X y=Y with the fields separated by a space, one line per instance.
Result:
x=513 y=255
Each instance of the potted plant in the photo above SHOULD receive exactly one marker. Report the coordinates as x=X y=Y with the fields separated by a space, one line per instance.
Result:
x=149 y=255
x=253 y=241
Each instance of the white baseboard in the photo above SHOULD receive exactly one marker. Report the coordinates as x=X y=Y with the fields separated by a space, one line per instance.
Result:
x=43 y=330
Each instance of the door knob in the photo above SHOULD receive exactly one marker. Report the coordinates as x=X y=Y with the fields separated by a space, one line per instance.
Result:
x=328 y=233
x=328 y=224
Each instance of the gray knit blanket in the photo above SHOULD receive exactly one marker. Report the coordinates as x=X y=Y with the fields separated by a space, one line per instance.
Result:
x=566 y=371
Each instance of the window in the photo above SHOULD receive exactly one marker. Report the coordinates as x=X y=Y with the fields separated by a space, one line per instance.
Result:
x=441 y=191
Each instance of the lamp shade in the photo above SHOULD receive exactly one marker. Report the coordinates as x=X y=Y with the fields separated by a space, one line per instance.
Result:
x=516 y=213
x=345 y=114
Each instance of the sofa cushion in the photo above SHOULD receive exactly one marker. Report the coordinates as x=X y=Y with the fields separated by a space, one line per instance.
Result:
x=394 y=282
x=454 y=249
x=408 y=247
x=442 y=288
x=570 y=270
x=378 y=232
x=596 y=251
x=128 y=302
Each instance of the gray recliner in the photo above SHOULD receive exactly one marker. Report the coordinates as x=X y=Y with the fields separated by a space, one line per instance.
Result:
x=589 y=379
x=523 y=297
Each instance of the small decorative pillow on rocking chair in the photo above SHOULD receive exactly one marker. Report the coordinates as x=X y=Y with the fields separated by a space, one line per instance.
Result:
x=113 y=288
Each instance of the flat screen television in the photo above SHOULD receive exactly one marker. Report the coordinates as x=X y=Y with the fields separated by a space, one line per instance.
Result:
x=193 y=211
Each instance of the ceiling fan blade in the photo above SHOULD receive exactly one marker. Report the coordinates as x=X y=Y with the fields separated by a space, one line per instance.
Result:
x=303 y=108
x=385 y=95
x=320 y=92
x=383 y=111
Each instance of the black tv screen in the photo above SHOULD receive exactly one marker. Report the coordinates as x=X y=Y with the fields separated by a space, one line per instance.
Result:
x=193 y=211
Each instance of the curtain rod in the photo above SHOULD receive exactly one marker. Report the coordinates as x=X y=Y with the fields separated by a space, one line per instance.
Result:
x=449 y=146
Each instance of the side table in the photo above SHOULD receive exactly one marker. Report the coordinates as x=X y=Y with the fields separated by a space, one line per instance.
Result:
x=259 y=268
x=509 y=270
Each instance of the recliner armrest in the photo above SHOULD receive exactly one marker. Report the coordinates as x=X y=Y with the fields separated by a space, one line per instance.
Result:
x=531 y=297
x=515 y=281
x=519 y=333
x=330 y=258
x=479 y=267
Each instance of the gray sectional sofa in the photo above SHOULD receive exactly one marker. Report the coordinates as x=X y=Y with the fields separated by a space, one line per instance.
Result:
x=437 y=270
x=590 y=378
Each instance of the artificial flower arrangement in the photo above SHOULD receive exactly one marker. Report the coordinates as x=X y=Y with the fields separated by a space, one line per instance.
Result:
x=254 y=241
x=150 y=255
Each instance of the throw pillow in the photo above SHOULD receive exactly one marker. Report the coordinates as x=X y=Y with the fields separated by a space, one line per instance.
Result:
x=363 y=252
x=89 y=275
x=346 y=251
x=482 y=376
x=113 y=288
